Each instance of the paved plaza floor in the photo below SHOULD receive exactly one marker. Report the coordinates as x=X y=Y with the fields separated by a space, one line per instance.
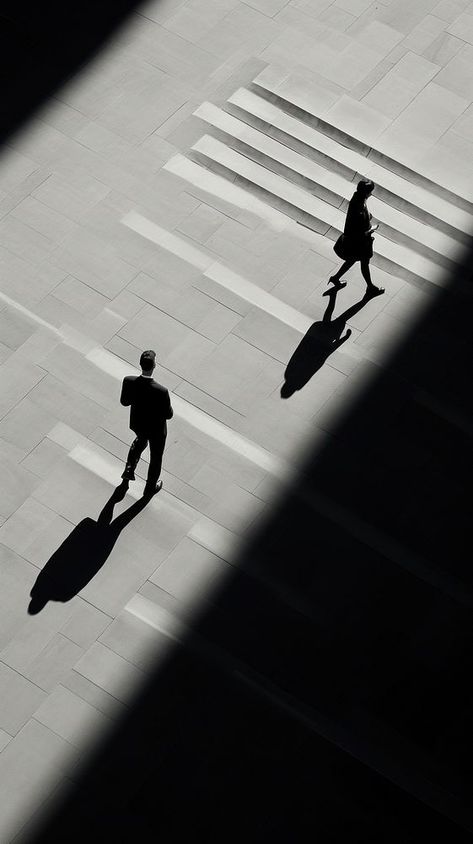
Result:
x=183 y=192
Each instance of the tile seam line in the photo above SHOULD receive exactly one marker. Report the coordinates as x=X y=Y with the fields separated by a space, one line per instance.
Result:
x=93 y=683
x=162 y=25
x=205 y=202
x=74 y=747
x=26 y=196
x=185 y=383
x=124 y=658
x=86 y=284
x=24 y=677
x=25 y=396
x=147 y=302
x=440 y=68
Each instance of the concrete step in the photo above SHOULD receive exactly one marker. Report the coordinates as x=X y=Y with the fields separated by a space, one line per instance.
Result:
x=412 y=199
x=329 y=186
x=312 y=212
x=285 y=93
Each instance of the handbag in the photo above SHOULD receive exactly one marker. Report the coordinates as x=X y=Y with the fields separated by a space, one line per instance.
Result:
x=340 y=249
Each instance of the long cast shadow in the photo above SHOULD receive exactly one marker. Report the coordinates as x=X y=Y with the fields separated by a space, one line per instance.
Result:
x=319 y=342
x=82 y=554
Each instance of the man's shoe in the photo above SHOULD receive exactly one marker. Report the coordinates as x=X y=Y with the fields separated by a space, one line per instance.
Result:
x=149 y=491
x=128 y=474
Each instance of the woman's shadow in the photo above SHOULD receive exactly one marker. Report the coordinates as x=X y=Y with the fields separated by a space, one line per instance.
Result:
x=320 y=341
x=82 y=554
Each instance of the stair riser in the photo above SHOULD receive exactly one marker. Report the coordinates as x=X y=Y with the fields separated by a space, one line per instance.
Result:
x=334 y=166
x=302 y=217
x=311 y=120
x=272 y=199
x=334 y=199
x=288 y=140
x=358 y=146
x=269 y=163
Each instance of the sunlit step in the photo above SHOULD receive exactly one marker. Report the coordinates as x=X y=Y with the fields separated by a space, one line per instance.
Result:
x=313 y=212
x=391 y=187
x=330 y=187
x=293 y=95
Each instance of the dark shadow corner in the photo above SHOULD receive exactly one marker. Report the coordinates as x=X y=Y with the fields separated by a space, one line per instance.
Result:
x=42 y=45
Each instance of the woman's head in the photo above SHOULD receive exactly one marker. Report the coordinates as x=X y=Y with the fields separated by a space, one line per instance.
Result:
x=365 y=187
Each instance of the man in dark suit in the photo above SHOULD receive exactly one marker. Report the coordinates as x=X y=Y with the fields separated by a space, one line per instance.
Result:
x=150 y=407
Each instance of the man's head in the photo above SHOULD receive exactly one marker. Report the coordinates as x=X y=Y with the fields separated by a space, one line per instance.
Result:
x=148 y=361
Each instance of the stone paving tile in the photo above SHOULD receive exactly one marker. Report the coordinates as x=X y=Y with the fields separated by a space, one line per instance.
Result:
x=17 y=482
x=190 y=573
x=34 y=531
x=71 y=718
x=26 y=425
x=135 y=641
x=4 y=739
x=31 y=765
x=396 y=75
x=19 y=699
x=44 y=663
x=443 y=49
x=92 y=694
x=110 y=672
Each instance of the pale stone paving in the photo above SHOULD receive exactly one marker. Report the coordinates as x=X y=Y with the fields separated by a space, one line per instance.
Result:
x=223 y=280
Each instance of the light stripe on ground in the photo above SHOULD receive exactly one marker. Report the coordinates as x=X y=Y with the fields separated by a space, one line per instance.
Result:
x=117 y=368
x=211 y=183
x=29 y=314
x=204 y=531
x=218 y=272
x=156 y=617
x=223 y=189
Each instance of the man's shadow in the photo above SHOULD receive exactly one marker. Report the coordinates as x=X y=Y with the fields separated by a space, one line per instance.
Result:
x=320 y=341
x=82 y=554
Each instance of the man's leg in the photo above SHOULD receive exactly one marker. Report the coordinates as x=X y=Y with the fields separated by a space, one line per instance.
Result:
x=136 y=449
x=156 y=447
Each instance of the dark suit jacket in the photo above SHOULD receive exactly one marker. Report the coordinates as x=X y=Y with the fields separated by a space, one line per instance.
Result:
x=149 y=403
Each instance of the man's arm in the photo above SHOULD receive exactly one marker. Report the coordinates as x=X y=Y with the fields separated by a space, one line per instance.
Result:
x=125 y=398
x=169 y=411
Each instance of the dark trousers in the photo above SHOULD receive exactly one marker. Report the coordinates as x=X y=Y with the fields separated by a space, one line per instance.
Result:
x=156 y=449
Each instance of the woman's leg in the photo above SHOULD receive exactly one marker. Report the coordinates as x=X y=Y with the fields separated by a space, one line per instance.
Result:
x=365 y=272
x=343 y=269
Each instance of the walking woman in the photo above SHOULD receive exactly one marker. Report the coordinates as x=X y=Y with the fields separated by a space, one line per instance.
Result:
x=356 y=243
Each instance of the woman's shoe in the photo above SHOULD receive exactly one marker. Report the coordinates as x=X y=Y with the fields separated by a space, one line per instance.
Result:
x=151 y=490
x=128 y=474
x=372 y=290
x=337 y=285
